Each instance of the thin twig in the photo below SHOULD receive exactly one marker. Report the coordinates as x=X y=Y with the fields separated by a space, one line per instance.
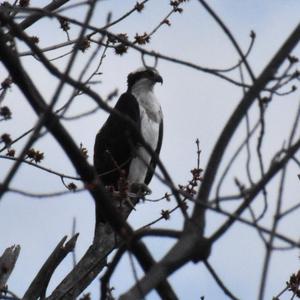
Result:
x=219 y=281
x=48 y=170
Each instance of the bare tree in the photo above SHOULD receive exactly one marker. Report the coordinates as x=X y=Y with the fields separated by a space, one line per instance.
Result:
x=248 y=202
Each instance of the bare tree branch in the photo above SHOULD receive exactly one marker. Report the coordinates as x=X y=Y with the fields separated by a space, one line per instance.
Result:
x=7 y=264
x=37 y=288
x=236 y=117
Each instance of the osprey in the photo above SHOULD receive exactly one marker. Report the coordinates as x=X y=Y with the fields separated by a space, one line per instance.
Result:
x=117 y=151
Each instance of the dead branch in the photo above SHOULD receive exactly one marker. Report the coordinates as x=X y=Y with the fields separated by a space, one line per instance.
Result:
x=38 y=287
x=7 y=264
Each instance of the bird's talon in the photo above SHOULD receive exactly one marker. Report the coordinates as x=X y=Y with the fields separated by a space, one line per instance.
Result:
x=140 y=189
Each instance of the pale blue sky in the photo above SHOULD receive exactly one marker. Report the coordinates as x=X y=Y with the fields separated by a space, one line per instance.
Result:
x=195 y=105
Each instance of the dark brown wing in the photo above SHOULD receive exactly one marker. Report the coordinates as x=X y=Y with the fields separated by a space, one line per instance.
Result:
x=116 y=141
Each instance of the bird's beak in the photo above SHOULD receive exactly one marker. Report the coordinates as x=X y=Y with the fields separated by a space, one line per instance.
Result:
x=158 y=78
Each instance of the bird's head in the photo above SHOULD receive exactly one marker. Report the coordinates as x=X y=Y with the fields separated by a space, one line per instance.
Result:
x=144 y=76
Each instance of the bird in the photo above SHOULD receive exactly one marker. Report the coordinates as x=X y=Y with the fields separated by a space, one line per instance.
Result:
x=118 y=151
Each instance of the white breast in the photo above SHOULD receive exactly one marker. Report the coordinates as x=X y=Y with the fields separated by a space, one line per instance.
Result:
x=150 y=113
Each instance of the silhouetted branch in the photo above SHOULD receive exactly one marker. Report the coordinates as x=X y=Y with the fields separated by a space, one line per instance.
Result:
x=37 y=288
x=7 y=264
x=256 y=189
x=87 y=172
x=48 y=170
x=236 y=117
x=190 y=243
x=219 y=281
x=30 y=20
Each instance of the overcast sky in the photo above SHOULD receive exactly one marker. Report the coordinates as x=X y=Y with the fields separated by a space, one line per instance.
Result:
x=195 y=105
